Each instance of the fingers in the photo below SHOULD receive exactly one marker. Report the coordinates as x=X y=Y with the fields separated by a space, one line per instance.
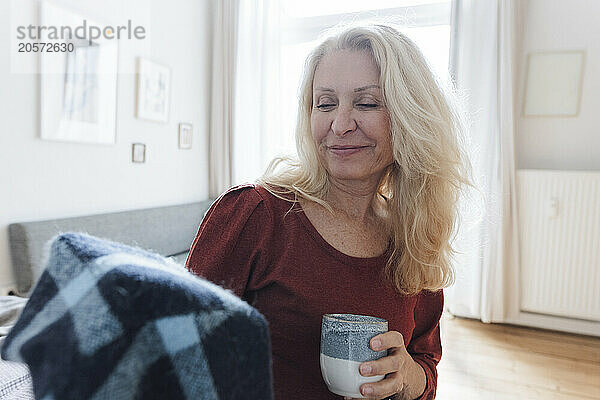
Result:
x=385 y=365
x=389 y=366
x=387 y=340
x=389 y=386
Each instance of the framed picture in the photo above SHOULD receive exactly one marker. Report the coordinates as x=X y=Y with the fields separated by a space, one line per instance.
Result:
x=78 y=88
x=153 y=88
x=553 y=84
x=138 y=153
x=185 y=135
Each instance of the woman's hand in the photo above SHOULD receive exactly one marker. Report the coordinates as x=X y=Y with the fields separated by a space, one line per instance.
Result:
x=395 y=367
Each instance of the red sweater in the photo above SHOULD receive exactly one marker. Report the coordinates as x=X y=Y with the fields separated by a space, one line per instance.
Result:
x=283 y=267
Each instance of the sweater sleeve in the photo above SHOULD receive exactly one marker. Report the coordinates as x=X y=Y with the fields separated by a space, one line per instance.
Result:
x=425 y=345
x=232 y=241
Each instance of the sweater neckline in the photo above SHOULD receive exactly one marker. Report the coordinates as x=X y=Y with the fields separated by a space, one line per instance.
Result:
x=343 y=257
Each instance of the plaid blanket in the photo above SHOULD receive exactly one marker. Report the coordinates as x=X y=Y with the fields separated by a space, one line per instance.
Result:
x=108 y=321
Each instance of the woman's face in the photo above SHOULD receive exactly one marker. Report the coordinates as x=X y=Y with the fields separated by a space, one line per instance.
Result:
x=349 y=122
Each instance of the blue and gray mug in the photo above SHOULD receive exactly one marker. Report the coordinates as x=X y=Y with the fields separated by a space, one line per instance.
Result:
x=345 y=345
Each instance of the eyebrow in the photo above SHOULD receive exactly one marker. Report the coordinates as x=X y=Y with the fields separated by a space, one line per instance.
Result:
x=360 y=89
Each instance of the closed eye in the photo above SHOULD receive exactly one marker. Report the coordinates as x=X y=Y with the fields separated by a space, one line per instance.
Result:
x=363 y=105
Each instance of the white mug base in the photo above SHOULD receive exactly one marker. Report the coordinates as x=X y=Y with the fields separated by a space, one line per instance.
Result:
x=343 y=378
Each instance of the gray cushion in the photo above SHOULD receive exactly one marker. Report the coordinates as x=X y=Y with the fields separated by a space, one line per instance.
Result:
x=165 y=230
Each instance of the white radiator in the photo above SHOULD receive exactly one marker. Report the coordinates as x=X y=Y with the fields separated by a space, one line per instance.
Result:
x=559 y=240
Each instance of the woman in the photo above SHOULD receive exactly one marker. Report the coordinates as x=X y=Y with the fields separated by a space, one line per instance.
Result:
x=361 y=223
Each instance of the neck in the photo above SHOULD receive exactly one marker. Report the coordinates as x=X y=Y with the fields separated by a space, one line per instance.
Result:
x=354 y=199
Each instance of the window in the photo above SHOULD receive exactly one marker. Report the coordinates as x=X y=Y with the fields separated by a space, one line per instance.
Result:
x=426 y=22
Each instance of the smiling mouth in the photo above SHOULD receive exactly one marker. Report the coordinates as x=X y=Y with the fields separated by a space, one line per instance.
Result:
x=346 y=150
x=346 y=147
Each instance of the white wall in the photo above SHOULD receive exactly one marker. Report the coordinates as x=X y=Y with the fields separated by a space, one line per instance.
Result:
x=43 y=180
x=570 y=143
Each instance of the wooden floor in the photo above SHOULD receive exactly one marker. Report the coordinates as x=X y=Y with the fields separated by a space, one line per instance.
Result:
x=494 y=361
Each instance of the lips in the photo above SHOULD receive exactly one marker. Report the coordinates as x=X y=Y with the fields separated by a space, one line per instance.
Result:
x=345 y=147
x=346 y=150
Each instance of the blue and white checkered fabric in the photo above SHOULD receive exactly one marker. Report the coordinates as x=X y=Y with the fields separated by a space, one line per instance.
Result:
x=108 y=321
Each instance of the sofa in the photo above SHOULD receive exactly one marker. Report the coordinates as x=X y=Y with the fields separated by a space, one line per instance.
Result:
x=168 y=231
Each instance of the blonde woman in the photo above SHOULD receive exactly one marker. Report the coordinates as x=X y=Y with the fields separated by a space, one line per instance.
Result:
x=360 y=223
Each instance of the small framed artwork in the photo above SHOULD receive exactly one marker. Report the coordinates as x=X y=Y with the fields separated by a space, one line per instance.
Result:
x=185 y=135
x=553 y=84
x=153 y=89
x=138 y=153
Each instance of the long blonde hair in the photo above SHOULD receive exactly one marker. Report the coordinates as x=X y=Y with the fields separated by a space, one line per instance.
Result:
x=422 y=185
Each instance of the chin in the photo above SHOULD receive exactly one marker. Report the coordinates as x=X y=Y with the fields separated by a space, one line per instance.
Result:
x=348 y=173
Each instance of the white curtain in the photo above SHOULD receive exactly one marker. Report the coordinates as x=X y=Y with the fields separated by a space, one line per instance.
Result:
x=224 y=49
x=483 y=57
x=257 y=102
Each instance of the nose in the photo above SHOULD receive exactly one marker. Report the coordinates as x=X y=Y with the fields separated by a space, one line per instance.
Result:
x=343 y=122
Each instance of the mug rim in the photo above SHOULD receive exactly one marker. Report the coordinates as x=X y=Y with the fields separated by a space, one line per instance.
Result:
x=377 y=320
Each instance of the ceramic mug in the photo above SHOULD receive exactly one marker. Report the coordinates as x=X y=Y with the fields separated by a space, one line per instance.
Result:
x=345 y=344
